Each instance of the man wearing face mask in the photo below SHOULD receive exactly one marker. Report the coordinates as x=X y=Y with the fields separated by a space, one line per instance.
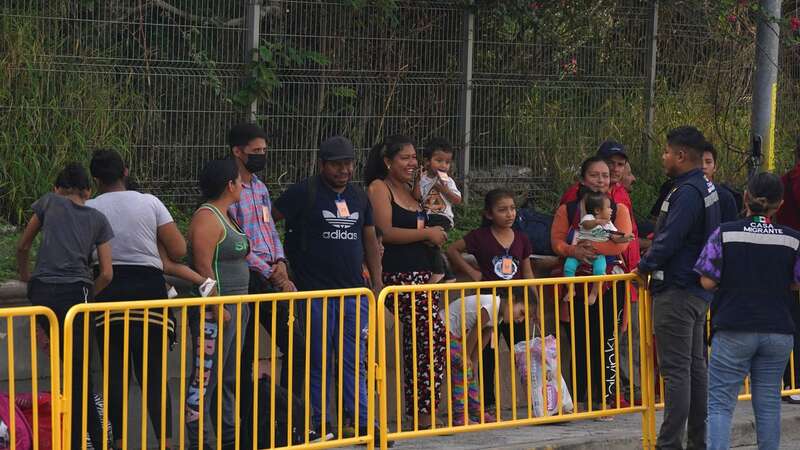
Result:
x=267 y=262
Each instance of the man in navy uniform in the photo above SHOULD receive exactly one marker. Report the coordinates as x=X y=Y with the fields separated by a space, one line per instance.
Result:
x=688 y=215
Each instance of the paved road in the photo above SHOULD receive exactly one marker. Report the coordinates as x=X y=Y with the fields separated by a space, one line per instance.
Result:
x=622 y=433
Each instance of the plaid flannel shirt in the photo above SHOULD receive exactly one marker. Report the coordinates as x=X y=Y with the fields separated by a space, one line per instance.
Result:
x=265 y=243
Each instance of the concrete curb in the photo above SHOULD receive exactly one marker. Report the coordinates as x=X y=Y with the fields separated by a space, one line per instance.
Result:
x=13 y=293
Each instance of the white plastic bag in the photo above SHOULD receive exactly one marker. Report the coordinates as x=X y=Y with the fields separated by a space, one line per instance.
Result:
x=538 y=388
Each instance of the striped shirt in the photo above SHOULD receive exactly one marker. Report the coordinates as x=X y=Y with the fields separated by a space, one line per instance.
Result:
x=253 y=212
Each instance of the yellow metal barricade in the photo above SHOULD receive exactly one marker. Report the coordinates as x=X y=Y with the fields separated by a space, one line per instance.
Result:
x=436 y=382
x=301 y=315
x=22 y=323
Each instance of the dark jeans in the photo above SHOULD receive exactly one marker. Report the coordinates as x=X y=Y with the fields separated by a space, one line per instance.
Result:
x=678 y=319
x=136 y=283
x=488 y=360
x=60 y=298
x=259 y=285
x=597 y=368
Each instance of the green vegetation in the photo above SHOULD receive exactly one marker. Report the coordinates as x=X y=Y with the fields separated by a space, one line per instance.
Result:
x=8 y=264
x=53 y=114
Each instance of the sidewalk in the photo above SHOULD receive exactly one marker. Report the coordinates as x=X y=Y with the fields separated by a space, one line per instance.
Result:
x=622 y=433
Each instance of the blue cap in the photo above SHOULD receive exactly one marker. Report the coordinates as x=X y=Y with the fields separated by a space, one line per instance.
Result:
x=611 y=148
x=336 y=148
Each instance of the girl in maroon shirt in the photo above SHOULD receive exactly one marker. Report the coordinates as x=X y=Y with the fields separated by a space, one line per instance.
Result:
x=502 y=253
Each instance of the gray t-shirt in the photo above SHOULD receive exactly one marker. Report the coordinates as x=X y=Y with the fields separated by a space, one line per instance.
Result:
x=135 y=218
x=70 y=232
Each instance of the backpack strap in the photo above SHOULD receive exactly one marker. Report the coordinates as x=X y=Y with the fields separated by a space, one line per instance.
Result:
x=313 y=186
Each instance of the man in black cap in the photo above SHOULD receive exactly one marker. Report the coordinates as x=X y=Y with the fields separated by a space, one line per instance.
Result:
x=329 y=236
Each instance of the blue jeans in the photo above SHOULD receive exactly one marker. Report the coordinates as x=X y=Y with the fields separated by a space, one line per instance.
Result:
x=333 y=352
x=733 y=355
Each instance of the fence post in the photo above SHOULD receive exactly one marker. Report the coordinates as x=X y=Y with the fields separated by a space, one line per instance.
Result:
x=647 y=367
x=465 y=113
x=380 y=372
x=650 y=92
x=252 y=31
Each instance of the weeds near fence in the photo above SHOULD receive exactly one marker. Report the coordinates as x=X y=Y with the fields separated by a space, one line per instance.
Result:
x=52 y=114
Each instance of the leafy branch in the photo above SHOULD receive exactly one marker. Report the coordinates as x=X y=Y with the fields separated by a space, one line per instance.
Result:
x=262 y=77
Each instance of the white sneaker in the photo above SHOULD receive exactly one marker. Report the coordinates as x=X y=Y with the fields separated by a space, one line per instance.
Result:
x=793 y=399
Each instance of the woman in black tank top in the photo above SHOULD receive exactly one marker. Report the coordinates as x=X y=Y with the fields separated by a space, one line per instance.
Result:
x=390 y=168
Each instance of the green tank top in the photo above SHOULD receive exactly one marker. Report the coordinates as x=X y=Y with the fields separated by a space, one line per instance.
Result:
x=229 y=262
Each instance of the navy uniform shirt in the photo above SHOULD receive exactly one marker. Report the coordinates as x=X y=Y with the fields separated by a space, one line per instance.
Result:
x=689 y=214
x=754 y=263
x=727 y=204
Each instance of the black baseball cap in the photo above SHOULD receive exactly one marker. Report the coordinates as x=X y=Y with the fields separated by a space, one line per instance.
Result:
x=336 y=148
x=611 y=148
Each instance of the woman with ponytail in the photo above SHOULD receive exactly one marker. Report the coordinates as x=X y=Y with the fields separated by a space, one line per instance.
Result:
x=389 y=174
x=752 y=264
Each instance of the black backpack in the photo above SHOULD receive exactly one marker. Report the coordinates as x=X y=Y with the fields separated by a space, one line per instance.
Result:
x=536 y=225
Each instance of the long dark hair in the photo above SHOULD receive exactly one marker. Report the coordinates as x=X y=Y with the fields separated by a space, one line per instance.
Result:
x=491 y=199
x=765 y=192
x=388 y=148
x=215 y=177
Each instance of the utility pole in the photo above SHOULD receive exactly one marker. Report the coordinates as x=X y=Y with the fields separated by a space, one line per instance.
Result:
x=765 y=87
x=252 y=32
x=650 y=93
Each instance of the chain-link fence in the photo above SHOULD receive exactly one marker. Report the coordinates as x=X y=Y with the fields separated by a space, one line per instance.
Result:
x=527 y=89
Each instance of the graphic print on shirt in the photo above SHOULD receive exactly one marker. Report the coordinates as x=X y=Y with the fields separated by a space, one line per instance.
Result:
x=209 y=344
x=497 y=265
x=434 y=202
x=762 y=225
x=342 y=224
